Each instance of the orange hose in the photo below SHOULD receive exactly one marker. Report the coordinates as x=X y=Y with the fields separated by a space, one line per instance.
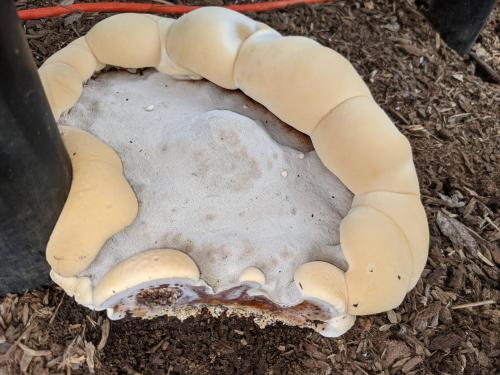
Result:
x=117 y=7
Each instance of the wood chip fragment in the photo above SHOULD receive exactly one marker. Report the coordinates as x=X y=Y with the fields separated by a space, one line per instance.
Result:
x=393 y=318
x=484 y=259
x=26 y=311
x=473 y=304
x=411 y=364
x=56 y=310
x=89 y=356
x=104 y=336
x=395 y=350
x=25 y=362
x=457 y=232
x=34 y=353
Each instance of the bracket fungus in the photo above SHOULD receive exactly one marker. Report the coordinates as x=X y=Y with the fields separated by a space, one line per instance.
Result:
x=206 y=198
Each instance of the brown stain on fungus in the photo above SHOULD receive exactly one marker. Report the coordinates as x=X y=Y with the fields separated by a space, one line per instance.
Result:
x=154 y=301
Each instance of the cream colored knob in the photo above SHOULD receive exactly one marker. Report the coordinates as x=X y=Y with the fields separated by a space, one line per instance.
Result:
x=253 y=274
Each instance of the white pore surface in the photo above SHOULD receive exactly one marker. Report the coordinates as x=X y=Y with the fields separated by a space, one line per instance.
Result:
x=212 y=182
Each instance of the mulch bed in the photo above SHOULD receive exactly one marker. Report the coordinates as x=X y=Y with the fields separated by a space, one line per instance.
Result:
x=450 y=113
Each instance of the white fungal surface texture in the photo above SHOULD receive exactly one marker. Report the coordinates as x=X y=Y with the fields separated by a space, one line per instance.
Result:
x=216 y=176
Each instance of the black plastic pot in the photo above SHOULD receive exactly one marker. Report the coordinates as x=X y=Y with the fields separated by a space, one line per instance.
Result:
x=35 y=170
x=460 y=21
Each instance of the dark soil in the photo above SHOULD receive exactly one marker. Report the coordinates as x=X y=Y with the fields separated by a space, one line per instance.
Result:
x=440 y=101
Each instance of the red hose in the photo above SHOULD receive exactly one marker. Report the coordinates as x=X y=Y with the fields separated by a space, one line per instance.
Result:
x=116 y=7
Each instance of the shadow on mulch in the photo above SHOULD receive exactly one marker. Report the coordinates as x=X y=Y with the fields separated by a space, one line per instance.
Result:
x=451 y=118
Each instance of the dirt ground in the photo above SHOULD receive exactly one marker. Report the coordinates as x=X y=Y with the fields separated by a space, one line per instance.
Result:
x=447 y=107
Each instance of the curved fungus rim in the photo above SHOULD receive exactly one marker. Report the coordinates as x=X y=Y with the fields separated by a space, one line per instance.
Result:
x=352 y=135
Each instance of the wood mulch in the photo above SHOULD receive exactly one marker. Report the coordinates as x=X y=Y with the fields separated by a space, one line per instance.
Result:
x=449 y=111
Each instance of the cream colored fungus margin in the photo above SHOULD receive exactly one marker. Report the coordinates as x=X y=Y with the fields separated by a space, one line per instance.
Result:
x=312 y=88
